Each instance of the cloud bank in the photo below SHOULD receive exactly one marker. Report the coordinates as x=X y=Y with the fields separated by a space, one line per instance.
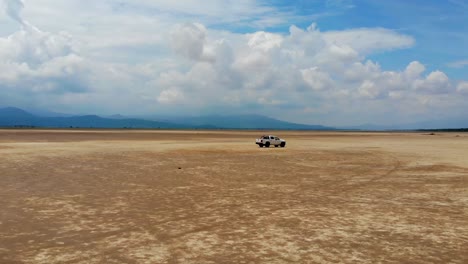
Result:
x=162 y=66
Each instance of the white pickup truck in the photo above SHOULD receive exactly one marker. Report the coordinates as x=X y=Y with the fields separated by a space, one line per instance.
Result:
x=269 y=140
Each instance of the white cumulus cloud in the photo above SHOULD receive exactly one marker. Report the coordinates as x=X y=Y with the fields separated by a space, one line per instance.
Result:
x=189 y=39
x=435 y=82
x=462 y=88
x=149 y=57
x=316 y=79
x=13 y=9
x=39 y=62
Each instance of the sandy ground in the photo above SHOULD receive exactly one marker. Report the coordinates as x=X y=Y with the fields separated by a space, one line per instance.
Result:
x=214 y=197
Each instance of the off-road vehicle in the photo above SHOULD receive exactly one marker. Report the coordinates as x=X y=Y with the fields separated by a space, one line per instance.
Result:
x=269 y=140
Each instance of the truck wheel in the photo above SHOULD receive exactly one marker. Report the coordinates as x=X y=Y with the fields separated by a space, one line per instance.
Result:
x=267 y=144
x=283 y=144
x=260 y=145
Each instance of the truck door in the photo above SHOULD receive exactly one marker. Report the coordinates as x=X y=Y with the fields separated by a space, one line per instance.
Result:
x=273 y=141
x=277 y=141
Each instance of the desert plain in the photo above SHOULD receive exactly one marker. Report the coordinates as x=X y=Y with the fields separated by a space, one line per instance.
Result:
x=110 y=196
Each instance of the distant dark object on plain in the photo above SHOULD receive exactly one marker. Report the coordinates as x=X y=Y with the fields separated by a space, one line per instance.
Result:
x=180 y=168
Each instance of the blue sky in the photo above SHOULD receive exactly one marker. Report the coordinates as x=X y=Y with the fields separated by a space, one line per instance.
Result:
x=439 y=27
x=334 y=62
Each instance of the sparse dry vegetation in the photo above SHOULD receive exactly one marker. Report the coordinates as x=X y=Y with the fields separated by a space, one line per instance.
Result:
x=215 y=197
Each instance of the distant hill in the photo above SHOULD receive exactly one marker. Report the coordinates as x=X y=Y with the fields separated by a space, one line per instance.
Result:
x=369 y=127
x=15 y=117
x=244 y=122
x=450 y=123
x=45 y=113
x=117 y=116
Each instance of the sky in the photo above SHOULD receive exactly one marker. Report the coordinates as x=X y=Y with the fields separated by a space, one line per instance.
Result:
x=333 y=62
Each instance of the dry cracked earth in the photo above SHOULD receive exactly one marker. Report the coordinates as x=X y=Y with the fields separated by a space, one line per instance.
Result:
x=214 y=197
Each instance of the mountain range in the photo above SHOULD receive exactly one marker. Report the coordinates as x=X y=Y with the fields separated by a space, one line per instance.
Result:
x=449 y=123
x=15 y=117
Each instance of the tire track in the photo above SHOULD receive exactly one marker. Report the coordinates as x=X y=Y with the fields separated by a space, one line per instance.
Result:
x=353 y=187
x=342 y=183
